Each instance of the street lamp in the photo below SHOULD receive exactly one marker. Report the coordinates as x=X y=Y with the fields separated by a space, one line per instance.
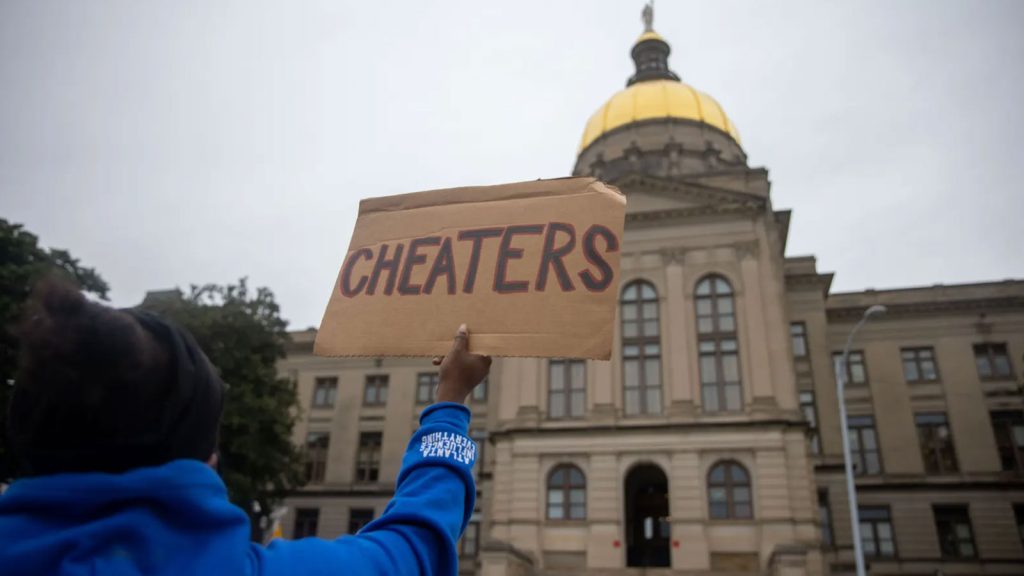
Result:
x=851 y=490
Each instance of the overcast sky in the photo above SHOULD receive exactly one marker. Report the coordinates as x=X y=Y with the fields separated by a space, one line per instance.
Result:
x=179 y=142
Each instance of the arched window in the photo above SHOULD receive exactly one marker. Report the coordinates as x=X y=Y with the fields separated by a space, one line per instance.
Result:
x=567 y=493
x=641 y=349
x=720 y=384
x=729 y=491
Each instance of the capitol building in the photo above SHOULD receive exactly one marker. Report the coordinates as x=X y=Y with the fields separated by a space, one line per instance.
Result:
x=710 y=443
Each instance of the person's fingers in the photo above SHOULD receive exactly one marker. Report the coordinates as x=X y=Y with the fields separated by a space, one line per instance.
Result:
x=437 y=360
x=461 y=339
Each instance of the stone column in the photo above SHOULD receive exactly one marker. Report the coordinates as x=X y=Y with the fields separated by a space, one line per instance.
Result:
x=678 y=347
x=756 y=344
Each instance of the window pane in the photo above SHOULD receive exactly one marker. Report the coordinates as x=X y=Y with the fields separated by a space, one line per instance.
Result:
x=556 y=375
x=577 y=511
x=722 y=287
x=647 y=292
x=650 y=310
x=873 y=464
x=1002 y=366
x=741 y=494
x=868 y=435
x=577 y=374
x=577 y=407
x=629 y=293
x=633 y=401
x=726 y=323
x=709 y=397
x=651 y=328
x=928 y=370
x=631 y=351
x=575 y=477
x=652 y=372
x=704 y=287
x=728 y=345
x=577 y=496
x=725 y=305
x=631 y=369
x=705 y=326
x=703 y=306
x=886 y=548
x=857 y=374
x=629 y=330
x=717 y=474
x=884 y=531
x=708 y=370
x=557 y=407
x=733 y=397
x=653 y=400
x=738 y=474
x=984 y=367
x=719 y=510
x=629 y=312
x=557 y=479
x=731 y=368
x=555 y=512
x=910 y=371
x=652 y=349
x=742 y=510
x=717 y=494
x=382 y=394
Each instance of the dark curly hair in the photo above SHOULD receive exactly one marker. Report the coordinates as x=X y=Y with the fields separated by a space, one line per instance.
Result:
x=99 y=389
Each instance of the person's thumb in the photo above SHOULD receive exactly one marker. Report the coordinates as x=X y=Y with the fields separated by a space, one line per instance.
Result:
x=461 y=343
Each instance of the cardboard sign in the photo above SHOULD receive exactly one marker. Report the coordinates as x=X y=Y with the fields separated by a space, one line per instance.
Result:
x=532 y=268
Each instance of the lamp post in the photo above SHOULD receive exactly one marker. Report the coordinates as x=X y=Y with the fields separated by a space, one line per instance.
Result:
x=851 y=490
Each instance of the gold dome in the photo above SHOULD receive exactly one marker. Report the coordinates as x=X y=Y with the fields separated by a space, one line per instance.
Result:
x=656 y=99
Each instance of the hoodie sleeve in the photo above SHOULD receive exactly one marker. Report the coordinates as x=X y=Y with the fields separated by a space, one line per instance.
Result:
x=434 y=498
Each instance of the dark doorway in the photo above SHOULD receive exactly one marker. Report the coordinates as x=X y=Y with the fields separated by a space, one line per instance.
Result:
x=647 y=525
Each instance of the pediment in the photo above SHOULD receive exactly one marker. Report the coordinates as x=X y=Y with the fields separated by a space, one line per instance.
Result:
x=656 y=195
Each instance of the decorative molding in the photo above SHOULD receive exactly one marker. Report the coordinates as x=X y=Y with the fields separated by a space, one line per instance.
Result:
x=977 y=305
x=673 y=254
x=744 y=250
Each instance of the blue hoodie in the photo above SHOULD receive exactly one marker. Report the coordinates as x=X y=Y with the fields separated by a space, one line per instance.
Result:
x=176 y=519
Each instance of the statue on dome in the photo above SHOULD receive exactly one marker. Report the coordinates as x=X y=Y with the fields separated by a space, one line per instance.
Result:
x=648 y=16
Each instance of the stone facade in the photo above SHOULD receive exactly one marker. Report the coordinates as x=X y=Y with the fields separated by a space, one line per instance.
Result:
x=710 y=443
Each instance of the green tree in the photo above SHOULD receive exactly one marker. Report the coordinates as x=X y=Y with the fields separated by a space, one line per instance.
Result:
x=244 y=336
x=22 y=263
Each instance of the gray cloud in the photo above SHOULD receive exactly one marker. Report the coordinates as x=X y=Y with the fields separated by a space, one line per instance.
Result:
x=180 y=142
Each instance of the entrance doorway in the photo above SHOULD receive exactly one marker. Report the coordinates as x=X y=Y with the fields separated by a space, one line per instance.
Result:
x=647 y=525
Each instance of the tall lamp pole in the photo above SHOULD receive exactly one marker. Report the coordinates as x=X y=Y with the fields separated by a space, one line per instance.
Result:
x=851 y=489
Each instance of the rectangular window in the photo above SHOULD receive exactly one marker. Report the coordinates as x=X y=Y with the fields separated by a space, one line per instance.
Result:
x=825 y=513
x=376 y=391
x=1009 y=431
x=721 y=388
x=566 y=388
x=876 y=535
x=317 y=444
x=919 y=364
x=480 y=392
x=642 y=378
x=864 y=445
x=357 y=518
x=469 y=545
x=306 y=520
x=325 y=390
x=811 y=416
x=368 y=458
x=993 y=361
x=1018 y=513
x=479 y=436
x=426 y=387
x=798 y=335
x=956 y=538
x=936 y=443
x=856 y=369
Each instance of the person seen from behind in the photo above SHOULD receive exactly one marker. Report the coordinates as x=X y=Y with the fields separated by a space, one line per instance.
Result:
x=113 y=426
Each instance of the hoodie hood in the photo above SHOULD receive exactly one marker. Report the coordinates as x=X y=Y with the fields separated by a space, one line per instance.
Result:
x=169 y=519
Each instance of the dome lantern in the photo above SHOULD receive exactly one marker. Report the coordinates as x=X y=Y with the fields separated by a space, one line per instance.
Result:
x=650 y=53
